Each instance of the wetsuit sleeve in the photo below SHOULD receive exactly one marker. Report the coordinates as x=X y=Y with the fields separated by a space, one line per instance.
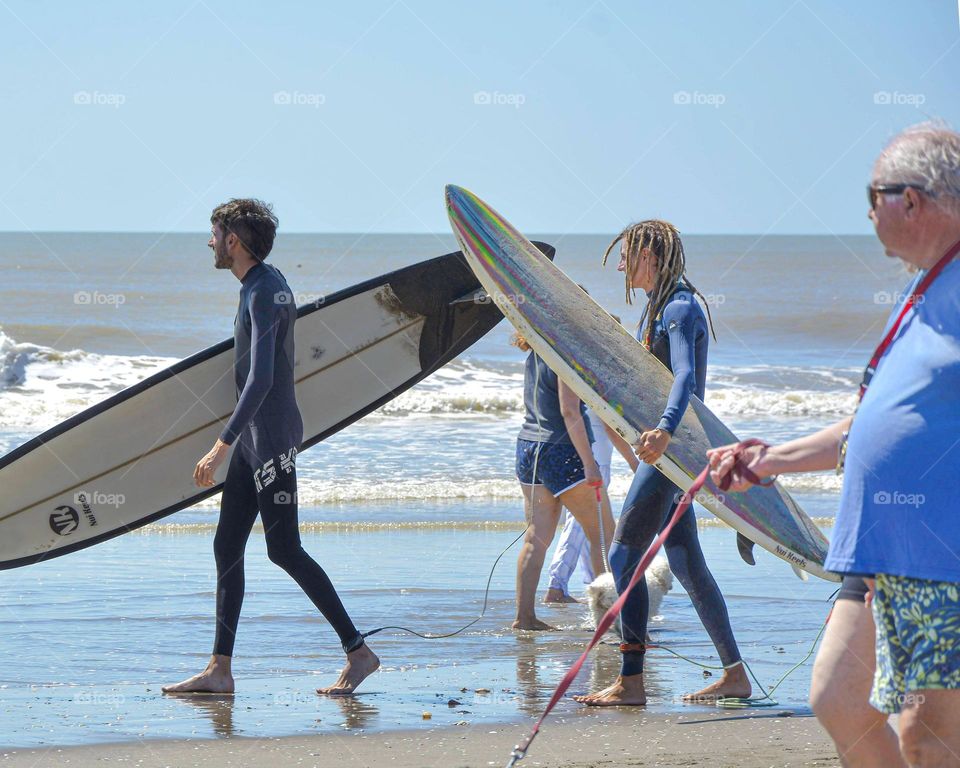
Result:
x=264 y=324
x=679 y=321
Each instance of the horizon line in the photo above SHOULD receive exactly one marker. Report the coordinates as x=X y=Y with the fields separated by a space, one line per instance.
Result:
x=533 y=233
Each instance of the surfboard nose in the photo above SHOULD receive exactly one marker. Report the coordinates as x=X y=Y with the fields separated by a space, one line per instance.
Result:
x=456 y=197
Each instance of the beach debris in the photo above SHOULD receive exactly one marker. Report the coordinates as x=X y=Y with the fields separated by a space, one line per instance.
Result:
x=462 y=722
x=454 y=703
x=427 y=716
x=707 y=673
x=483 y=691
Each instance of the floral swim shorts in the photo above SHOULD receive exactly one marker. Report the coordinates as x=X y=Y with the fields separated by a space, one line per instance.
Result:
x=918 y=639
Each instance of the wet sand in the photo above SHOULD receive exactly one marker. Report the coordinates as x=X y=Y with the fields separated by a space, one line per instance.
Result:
x=590 y=739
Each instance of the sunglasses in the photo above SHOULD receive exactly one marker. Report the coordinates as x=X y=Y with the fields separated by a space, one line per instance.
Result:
x=875 y=190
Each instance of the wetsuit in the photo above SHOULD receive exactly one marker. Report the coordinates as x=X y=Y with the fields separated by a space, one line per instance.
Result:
x=266 y=431
x=680 y=340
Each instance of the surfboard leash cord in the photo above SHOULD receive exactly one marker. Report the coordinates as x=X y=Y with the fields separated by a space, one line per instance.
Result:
x=483 y=610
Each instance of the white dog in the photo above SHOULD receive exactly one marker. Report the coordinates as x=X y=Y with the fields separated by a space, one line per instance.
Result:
x=602 y=592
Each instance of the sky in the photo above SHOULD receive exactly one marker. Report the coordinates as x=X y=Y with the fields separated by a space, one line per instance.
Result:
x=734 y=117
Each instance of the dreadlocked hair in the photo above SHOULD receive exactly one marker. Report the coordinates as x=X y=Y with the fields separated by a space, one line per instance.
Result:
x=663 y=240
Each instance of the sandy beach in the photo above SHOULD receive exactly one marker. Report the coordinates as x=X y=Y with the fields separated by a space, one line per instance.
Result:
x=590 y=740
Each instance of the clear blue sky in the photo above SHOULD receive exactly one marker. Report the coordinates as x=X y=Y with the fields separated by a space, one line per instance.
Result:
x=586 y=128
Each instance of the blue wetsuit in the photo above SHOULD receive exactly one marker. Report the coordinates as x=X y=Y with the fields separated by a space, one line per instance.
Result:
x=262 y=476
x=680 y=342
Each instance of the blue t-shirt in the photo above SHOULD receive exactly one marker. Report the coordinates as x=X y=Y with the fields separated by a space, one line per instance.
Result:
x=543 y=420
x=900 y=505
x=680 y=341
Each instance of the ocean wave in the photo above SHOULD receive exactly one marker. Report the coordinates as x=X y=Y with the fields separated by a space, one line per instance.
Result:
x=320 y=492
x=41 y=386
x=742 y=401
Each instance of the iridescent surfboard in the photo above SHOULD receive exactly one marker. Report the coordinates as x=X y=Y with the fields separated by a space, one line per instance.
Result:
x=613 y=374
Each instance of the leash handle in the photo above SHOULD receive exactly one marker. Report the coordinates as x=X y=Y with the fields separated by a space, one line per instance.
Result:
x=740 y=466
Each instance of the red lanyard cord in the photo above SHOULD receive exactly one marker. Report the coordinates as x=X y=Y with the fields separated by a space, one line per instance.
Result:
x=908 y=304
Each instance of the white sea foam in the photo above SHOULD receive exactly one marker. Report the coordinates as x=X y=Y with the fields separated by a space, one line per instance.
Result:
x=321 y=492
x=41 y=386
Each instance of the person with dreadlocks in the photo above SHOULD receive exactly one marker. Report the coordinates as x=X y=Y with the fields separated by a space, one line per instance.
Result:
x=673 y=327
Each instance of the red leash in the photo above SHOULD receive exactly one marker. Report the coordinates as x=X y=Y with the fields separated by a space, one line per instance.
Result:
x=520 y=751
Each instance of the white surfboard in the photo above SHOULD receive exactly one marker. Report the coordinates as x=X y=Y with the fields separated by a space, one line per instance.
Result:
x=129 y=460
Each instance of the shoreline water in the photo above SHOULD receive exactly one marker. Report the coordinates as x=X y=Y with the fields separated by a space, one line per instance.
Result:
x=95 y=634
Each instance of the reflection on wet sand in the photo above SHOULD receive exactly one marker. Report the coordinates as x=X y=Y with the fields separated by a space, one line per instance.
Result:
x=537 y=654
x=218 y=708
x=357 y=714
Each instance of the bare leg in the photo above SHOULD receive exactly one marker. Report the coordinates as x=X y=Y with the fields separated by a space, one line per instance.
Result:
x=542 y=512
x=361 y=663
x=930 y=728
x=216 y=678
x=840 y=690
x=581 y=500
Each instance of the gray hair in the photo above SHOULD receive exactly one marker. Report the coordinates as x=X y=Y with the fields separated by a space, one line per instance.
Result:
x=928 y=155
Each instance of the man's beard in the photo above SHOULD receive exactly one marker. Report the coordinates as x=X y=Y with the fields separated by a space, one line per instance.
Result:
x=221 y=259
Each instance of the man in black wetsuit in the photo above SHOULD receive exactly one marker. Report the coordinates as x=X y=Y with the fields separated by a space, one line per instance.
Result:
x=266 y=431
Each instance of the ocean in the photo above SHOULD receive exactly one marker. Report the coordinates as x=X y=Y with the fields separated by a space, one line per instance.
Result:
x=407 y=509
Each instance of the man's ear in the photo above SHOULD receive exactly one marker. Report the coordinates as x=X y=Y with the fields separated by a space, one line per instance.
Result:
x=911 y=201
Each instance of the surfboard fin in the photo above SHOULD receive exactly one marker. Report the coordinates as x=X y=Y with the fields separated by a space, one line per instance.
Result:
x=802 y=575
x=745 y=548
x=478 y=296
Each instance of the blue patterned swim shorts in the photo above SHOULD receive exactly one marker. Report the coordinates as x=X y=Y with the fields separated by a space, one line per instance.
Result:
x=918 y=639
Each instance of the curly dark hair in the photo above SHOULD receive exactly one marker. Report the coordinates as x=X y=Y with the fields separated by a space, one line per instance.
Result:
x=253 y=221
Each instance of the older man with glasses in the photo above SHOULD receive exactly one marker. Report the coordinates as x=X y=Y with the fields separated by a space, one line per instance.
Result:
x=897 y=535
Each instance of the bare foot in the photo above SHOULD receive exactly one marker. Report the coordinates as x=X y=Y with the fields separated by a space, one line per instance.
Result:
x=361 y=663
x=216 y=678
x=558 y=596
x=733 y=685
x=534 y=624
x=625 y=692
